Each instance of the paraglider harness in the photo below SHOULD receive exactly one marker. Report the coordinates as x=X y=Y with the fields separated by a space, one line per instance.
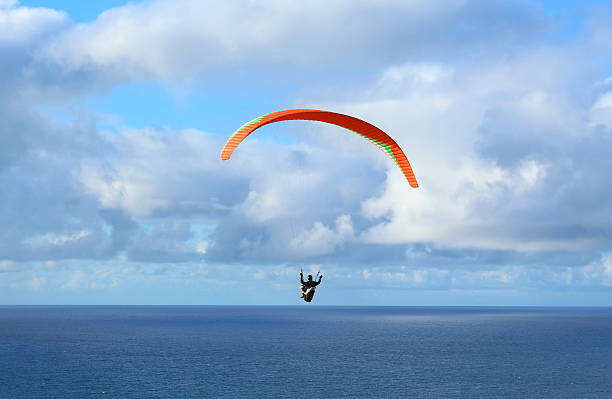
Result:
x=308 y=291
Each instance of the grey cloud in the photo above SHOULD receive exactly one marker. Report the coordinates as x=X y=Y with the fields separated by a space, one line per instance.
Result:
x=41 y=196
x=571 y=200
x=166 y=243
x=122 y=229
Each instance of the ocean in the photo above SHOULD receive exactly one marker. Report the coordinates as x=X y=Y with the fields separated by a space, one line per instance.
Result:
x=304 y=352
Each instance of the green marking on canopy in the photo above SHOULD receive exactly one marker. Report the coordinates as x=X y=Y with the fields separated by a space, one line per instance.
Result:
x=254 y=121
x=385 y=147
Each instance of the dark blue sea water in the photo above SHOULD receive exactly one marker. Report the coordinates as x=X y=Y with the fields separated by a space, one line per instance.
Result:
x=293 y=352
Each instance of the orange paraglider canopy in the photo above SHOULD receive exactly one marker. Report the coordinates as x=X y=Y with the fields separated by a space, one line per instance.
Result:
x=363 y=128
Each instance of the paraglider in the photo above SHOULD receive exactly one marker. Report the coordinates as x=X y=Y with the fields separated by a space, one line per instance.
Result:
x=375 y=135
x=363 y=128
x=309 y=286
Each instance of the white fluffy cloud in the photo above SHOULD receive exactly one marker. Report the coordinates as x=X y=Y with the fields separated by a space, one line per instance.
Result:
x=20 y=26
x=182 y=38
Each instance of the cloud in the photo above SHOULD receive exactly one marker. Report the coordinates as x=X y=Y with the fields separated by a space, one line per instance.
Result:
x=499 y=164
x=23 y=26
x=7 y=266
x=36 y=283
x=601 y=111
x=321 y=239
x=75 y=281
x=189 y=37
x=43 y=203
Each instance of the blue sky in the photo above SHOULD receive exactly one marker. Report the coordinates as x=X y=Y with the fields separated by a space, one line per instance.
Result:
x=114 y=114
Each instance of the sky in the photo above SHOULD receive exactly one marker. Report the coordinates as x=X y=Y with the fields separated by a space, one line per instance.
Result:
x=114 y=114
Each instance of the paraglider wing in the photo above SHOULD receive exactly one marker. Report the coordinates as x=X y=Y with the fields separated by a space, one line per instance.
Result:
x=363 y=128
